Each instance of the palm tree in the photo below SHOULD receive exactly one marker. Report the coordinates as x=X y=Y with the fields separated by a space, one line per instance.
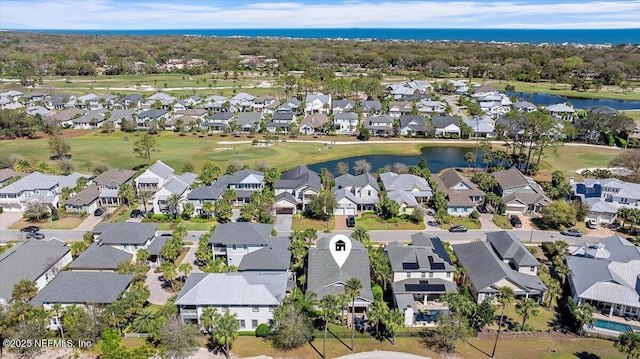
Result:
x=145 y=321
x=470 y=157
x=353 y=287
x=505 y=297
x=208 y=318
x=208 y=207
x=173 y=201
x=330 y=306
x=377 y=312
x=361 y=235
x=554 y=291
x=583 y=314
x=527 y=308
x=628 y=343
x=144 y=196
x=562 y=272
x=307 y=301
x=186 y=269
x=394 y=321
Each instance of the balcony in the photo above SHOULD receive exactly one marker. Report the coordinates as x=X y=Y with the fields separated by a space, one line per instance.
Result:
x=189 y=313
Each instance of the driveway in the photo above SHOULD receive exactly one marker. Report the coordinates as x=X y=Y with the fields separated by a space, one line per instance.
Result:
x=341 y=223
x=191 y=258
x=157 y=294
x=486 y=222
x=90 y=222
x=282 y=222
x=9 y=218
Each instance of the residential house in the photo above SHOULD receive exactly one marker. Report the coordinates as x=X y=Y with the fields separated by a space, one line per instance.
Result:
x=192 y=101
x=524 y=106
x=177 y=185
x=405 y=89
x=603 y=110
x=291 y=106
x=35 y=97
x=89 y=101
x=145 y=118
x=251 y=296
x=82 y=289
x=126 y=236
x=109 y=183
x=343 y=106
x=217 y=104
x=212 y=193
x=250 y=247
x=413 y=125
x=520 y=193
x=38 y=110
x=99 y=257
x=263 y=102
x=463 y=195
x=313 y=123
x=218 y=121
x=482 y=126
x=408 y=190
x=399 y=108
x=481 y=89
x=154 y=177
x=345 y=123
x=117 y=116
x=60 y=102
x=35 y=187
x=318 y=103
x=605 y=196
x=12 y=95
x=446 y=126
x=8 y=175
x=242 y=101
x=131 y=102
x=65 y=117
x=487 y=271
x=37 y=261
x=160 y=99
x=197 y=113
x=381 y=125
x=281 y=122
x=355 y=193
x=511 y=251
x=431 y=108
x=370 y=107
x=295 y=189
x=249 y=122
x=86 y=201
x=605 y=275
x=90 y=120
x=325 y=276
x=561 y=111
x=422 y=273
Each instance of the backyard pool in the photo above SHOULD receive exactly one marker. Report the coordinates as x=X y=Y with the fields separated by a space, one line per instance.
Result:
x=618 y=327
x=430 y=315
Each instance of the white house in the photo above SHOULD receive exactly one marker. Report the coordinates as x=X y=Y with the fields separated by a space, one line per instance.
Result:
x=345 y=123
x=318 y=103
x=154 y=177
x=355 y=193
x=35 y=187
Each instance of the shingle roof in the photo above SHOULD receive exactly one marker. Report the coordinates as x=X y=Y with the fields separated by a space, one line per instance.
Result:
x=315 y=120
x=370 y=105
x=405 y=182
x=444 y=121
x=114 y=177
x=510 y=178
x=7 y=173
x=240 y=289
x=126 y=233
x=298 y=177
x=349 y=180
x=508 y=246
x=98 y=257
x=417 y=259
x=28 y=260
x=160 y=169
x=152 y=113
x=274 y=257
x=83 y=287
x=241 y=233
x=211 y=193
x=246 y=118
x=323 y=272
x=85 y=197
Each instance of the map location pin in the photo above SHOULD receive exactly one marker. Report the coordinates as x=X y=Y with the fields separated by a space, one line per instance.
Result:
x=340 y=247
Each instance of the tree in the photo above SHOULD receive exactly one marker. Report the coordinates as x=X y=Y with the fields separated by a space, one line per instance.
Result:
x=169 y=272
x=24 y=290
x=485 y=181
x=393 y=321
x=376 y=313
x=505 y=297
x=208 y=207
x=387 y=208
x=449 y=329
x=187 y=210
x=179 y=340
x=628 y=159
x=526 y=308
x=173 y=202
x=291 y=327
x=470 y=158
x=361 y=235
x=628 y=343
x=224 y=212
x=558 y=214
x=186 y=269
x=582 y=314
x=145 y=321
x=225 y=330
x=229 y=195
x=146 y=145
x=380 y=267
x=144 y=196
x=77 y=247
x=209 y=318
x=330 y=307
x=36 y=212
x=342 y=168
x=352 y=288
x=554 y=291
x=210 y=173
x=59 y=147
x=247 y=212
x=361 y=166
x=322 y=205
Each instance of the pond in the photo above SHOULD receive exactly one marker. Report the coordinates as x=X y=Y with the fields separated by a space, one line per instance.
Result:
x=438 y=158
x=544 y=99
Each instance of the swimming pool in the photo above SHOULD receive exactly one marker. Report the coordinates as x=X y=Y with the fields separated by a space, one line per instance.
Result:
x=618 y=327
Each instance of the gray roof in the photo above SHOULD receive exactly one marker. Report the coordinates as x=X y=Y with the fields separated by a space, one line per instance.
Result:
x=325 y=277
x=117 y=115
x=248 y=118
x=614 y=248
x=208 y=193
x=345 y=116
x=349 y=180
x=241 y=233
x=179 y=184
x=283 y=116
x=154 y=248
x=485 y=269
x=369 y=105
x=28 y=260
x=417 y=259
x=287 y=197
x=7 y=173
x=114 y=177
x=152 y=113
x=37 y=180
x=422 y=286
x=84 y=287
x=297 y=178
x=126 y=233
x=160 y=169
x=508 y=247
x=220 y=117
x=510 y=178
x=274 y=257
x=98 y=257
x=422 y=239
x=85 y=197
x=240 y=289
x=406 y=182
x=444 y=121
x=343 y=104
x=321 y=97
x=416 y=121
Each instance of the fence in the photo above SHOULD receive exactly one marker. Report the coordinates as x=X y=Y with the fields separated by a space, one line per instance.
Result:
x=136 y=335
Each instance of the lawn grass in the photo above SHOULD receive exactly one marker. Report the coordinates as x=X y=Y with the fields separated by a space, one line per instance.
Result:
x=189 y=225
x=373 y=223
x=526 y=347
x=470 y=223
x=543 y=321
x=609 y=92
x=634 y=115
x=62 y=223
x=502 y=221
x=569 y=159
x=301 y=223
x=133 y=343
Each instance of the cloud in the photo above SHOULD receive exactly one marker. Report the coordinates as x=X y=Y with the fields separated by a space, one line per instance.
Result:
x=192 y=14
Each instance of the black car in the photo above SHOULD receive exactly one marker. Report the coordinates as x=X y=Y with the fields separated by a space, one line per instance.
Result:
x=135 y=213
x=30 y=229
x=515 y=221
x=36 y=235
x=571 y=232
x=351 y=221
x=99 y=211
x=458 y=229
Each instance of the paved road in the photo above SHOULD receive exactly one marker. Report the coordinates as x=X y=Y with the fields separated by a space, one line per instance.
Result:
x=452 y=100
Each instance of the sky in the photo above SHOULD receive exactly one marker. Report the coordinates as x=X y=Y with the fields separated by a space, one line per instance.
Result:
x=236 y=14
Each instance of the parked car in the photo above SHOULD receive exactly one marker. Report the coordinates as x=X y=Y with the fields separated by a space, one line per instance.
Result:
x=457 y=229
x=571 y=232
x=36 y=235
x=515 y=221
x=351 y=221
x=592 y=224
x=30 y=229
x=99 y=211
x=135 y=213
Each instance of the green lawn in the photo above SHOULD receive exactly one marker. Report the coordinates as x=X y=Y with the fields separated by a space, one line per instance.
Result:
x=609 y=92
x=634 y=115
x=542 y=321
x=502 y=221
x=568 y=159
x=189 y=225
x=463 y=221
x=62 y=223
x=300 y=224
x=372 y=222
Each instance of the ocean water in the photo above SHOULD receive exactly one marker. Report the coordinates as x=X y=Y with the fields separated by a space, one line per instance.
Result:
x=589 y=36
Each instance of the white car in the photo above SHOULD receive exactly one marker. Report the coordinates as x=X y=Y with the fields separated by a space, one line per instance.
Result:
x=592 y=224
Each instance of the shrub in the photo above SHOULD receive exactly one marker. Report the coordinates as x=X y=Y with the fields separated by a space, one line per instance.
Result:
x=159 y=217
x=377 y=292
x=474 y=214
x=393 y=220
x=54 y=214
x=262 y=330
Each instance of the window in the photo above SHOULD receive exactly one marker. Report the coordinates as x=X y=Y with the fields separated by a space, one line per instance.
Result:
x=448 y=274
x=254 y=323
x=271 y=309
x=242 y=324
x=430 y=274
x=368 y=193
x=255 y=309
x=423 y=275
x=532 y=269
x=408 y=274
x=234 y=247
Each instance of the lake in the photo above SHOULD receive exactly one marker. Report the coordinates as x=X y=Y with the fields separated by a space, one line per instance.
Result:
x=544 y=99
x=438 y=158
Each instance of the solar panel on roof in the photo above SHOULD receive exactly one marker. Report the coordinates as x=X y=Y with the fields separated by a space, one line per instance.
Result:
x=409 y=265
x=438 y=288
x=437 y=265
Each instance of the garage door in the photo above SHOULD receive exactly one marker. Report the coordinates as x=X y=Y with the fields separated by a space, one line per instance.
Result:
x=284 y=211
x=338 y=211
x=350 y=211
